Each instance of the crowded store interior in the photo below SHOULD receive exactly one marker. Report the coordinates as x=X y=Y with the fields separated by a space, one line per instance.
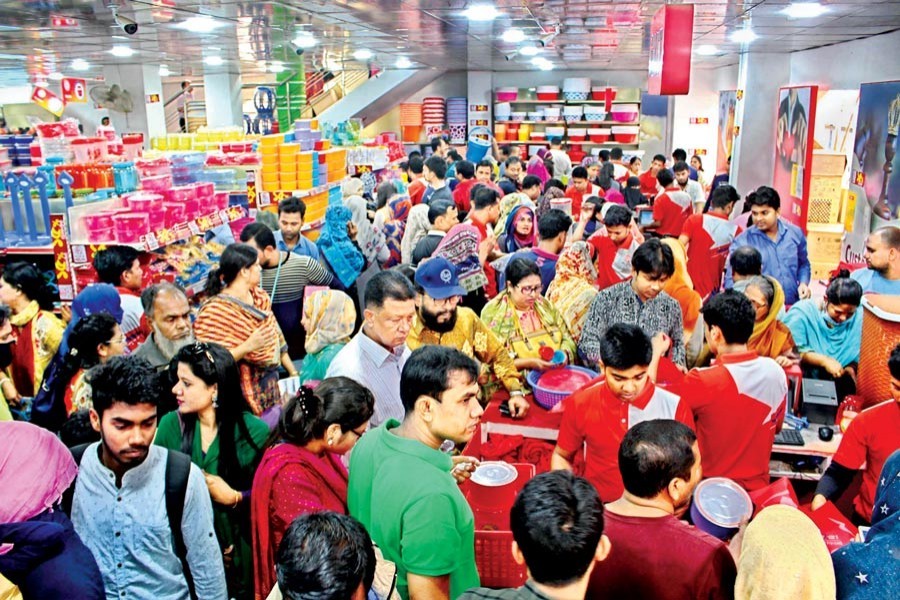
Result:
x=449 y=299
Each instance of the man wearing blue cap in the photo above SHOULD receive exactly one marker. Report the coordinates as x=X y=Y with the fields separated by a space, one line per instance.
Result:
x=441 y=321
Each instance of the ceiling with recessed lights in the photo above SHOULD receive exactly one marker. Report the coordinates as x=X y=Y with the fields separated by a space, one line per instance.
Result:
x=38 y=39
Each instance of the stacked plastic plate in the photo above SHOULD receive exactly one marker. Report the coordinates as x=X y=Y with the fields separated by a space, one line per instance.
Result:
x=411 y=122
x=456 y=119
x=434 y=116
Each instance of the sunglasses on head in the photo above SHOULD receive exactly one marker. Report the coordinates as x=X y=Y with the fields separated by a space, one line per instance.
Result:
x=199 y=349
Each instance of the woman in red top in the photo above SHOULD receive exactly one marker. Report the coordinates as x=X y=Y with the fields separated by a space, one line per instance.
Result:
x=301 y=471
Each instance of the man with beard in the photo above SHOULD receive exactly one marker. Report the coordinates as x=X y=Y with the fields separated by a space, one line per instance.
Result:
x=882 y=258
x=440 y=321
x=169 y=316
x=657 y=555
x=120 y=506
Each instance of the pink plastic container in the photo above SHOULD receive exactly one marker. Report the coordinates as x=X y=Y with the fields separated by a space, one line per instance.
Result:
x=205 y=189
x=625 y=113
x=220 y=200
x=99 y=224
x=157 y=219
x=130 y=227
x=192 y=208
x=181 y=194
x=82 y=149
x=133 y=145
x=151 y=168
x=507 y=94
x=175 y=213
x=144 y=201
x=157 y=183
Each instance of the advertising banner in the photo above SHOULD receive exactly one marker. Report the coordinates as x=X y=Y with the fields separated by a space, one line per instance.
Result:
x=793 y=150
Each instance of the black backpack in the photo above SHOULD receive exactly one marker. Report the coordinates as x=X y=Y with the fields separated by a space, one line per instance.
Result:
x=48 y=409
x=178 y=468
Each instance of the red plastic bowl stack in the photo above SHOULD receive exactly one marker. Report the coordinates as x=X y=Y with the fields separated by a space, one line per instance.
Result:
x=434 y=116
x=548 y=92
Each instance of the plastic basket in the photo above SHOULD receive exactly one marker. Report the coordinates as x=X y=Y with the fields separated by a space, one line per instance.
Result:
x=479 y=144
x=881 y=332
x=494 y=560
x=548 y=398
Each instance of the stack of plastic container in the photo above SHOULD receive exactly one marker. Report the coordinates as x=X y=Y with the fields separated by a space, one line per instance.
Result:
x=434 y=115
x=456 y=119
x=410 y=122
x=186 y=167
x=269 y=149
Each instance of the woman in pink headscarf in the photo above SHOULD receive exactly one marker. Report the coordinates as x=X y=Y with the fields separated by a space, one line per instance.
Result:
x=537 y=167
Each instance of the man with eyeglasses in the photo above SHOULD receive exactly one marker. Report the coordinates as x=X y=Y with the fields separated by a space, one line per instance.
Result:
x=169 y=315
x=399 y=488
x=441 y=321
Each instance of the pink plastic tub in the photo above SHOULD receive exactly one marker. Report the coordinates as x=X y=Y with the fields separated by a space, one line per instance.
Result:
x=130 y=227
x=157 y=183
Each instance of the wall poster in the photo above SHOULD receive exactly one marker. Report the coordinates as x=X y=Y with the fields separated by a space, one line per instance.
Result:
x=793 y=150
x=727 y=109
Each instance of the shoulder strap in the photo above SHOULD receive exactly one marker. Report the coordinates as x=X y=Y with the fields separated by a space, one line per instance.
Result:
x=178 y=468
x=69 y=494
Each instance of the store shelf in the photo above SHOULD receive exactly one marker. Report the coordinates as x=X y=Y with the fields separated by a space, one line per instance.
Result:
x=27 y=250
x=568 y=123
x=569 y=102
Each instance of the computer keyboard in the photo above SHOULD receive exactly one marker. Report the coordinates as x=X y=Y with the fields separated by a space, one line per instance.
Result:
x=789 y=437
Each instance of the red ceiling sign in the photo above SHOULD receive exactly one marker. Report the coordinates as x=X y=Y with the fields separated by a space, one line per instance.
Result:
x=47 y=100
x=73 y=90
x=671 y=34
x=63 y=22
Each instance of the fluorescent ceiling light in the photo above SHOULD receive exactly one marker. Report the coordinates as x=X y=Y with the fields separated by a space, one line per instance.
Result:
x=121 y=51
x=707 y=50
x=276 y=67
x=743 y=36
x=513 y=36
x=403 y=63
x=529 y=50
x=201 y=24
x=804 y=10
x=213 y=61
x=539 y=60
x=79 y=64
x=546 y=66
x=481 y=12
x=363 y=54
x=55 y=76
x=304 y=40
x=164 y=71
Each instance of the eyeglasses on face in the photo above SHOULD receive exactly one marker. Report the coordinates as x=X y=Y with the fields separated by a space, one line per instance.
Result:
x=530 y=290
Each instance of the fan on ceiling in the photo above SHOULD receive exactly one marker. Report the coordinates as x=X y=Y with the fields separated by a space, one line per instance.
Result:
x=112 y=97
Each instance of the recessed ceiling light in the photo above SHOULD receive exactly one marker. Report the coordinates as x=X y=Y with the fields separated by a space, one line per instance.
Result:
x=743 y=36
x=201 y=24
x=804 y=10
x=304 y=40
x=213 y=61
x=403 y=63
x=481 y=12
x=276 y=67
x=513 y=36
x=55 y=76
x=164 y=71
x=79 y=64
x=529 y=50
x=121 y=51
x=539 y=60
x=707 y=50
x=363 y=54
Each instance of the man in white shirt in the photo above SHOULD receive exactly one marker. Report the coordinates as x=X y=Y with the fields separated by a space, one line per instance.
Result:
x=689 y=186
x=562 y=164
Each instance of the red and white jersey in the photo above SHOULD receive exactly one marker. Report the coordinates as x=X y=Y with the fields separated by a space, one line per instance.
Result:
x=737 y=405
x=672 y=208
x=710 y=239
x=613 y=261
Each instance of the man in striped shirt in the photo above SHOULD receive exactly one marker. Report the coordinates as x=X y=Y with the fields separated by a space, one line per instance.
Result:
x=284 y=277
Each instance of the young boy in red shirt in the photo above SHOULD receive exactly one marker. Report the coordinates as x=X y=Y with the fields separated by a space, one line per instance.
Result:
x=671 y=208
x=648 y=177
x=708 y=238
x=580 y=189
x=739 y=403
x=614 y=249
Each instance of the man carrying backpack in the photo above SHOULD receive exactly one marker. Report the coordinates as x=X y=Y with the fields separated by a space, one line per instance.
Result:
x=144 y=512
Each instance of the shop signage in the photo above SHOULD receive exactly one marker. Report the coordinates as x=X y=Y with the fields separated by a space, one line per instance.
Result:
x=47 y=100
x=478 y=108
x=152 y=98
x=671 y=33
x=74 y=90
x=699 y=120
x=64 y=22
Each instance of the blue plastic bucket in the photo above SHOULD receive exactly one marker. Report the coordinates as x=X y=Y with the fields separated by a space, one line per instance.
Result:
x=479 y=144
x=719 y=506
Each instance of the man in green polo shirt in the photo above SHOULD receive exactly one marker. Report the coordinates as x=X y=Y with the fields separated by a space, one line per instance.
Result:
x=401 y=487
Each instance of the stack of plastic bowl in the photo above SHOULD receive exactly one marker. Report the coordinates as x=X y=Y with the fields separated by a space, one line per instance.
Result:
x=457 y=116
x=507 y=94
x=287 y=166
x=268 y=148
x=54 y=142
x=598 y=93
x=186 y=167
x=548 y=92
x=594 y=113
x=599 y=135
x=500 y=131
x=434 y=115
x=502 y=111
x=626 y=134
x=536 y=116
x=307 y=170
x=573 y=114
x=518 y=116
x=577 y=134
x=553 y=132
x=577 y=88
x=625 y=113
x=552 y=113
x=132 y=145
x=410 y=122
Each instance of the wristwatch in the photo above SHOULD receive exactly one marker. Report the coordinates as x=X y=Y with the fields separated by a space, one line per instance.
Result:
x=517 y=393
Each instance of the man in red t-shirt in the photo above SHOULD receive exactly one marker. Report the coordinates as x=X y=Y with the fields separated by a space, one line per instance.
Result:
x=671 y=208
x=601 y=413
x=465 y=173
x=648 y=181
x=739 y=403
x=707 y=238
x=871 y=438
x=580 y=189
x=655 y=554
x=417 y=183
x=614 y=249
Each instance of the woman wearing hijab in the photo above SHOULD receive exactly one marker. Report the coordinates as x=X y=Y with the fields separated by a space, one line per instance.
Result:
x=521 y=230
x=460 y=247
x=390 y=220
x=868 y=570
x=770 y=337
x=337 y=247
x=550 y=193
x=40 y=552
x=508 y=203
x=369 y=240
x=783 y=557
x=537 y=167
x=632 y=193
x=416 y=228
x=572 y=289
x=329 y=318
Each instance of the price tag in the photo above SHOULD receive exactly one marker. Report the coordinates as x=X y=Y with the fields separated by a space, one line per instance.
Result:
x=223 y=214
x=195 y=230
x=79 y=254
x=264 y=199
x=150 y=241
